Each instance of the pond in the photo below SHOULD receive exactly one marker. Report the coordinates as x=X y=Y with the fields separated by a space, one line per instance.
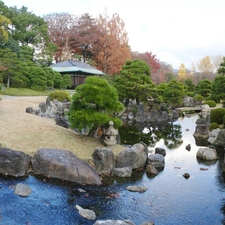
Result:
x=170 y=198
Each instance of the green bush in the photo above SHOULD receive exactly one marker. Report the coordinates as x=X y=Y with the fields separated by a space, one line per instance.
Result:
x=216 y=115
x=210 y=103
x=199 y=97
x=213 y=126
x=208 y=98
x=60 y=96
x=190 y=94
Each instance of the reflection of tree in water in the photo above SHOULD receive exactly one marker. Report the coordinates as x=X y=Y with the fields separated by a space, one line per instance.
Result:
x=132 y=135
x=171 y=134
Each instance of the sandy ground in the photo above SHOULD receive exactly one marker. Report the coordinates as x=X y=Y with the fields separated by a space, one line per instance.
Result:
x=26 y=132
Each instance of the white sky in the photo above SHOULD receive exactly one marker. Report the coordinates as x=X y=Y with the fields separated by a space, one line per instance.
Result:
x=176 y=31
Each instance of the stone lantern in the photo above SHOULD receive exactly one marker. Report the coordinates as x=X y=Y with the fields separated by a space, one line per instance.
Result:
x=110 y=135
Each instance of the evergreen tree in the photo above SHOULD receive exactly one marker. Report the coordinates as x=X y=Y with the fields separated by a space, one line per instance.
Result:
x=94 y=104
x=134 y=81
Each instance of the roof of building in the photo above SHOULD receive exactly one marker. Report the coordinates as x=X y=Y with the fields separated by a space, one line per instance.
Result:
x=75 y=66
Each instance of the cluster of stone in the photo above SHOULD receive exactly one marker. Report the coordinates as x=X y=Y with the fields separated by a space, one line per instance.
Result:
x=48 y=109
x=134 y=157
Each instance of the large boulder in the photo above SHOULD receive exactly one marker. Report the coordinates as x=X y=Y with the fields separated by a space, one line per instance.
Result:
x=207 y=154
x=13 y=163
x=213 y=136
x=220 y=139
x=63 y=164
x=122 y=172
x=156 y=160
x=103 y=160
x=134 y=157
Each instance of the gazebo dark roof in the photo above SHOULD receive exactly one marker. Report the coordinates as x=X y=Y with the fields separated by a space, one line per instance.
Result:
x=75 y=66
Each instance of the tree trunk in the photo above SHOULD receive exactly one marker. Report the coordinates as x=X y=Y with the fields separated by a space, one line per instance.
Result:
x=92 y=131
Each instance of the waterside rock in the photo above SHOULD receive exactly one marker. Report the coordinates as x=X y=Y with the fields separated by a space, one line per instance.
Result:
x=207 y=154
x=22 y=190
x=137 y=188
x=13 y=163
x=134 y=157
x=86 y=213
x=103 y=160
x=63 y=164
x=122 y=172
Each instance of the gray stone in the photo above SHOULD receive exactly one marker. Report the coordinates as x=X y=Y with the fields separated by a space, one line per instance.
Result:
x=13 y=163
x=114 y=222
x=22 y=190
x=202 y=131
x=161 y=151
x=61 y=122
x=86 y=213
x=29 y=110
x=48 y=102
x=213 y=136
x=220 y=139
x=42 y=107
x=103 y=160
x=151 y=170
x=63 y=164
x=122 y=172
x=156 y=160
x=137 y=188
x=148 y=223
x=135 y=157
x=207 y=154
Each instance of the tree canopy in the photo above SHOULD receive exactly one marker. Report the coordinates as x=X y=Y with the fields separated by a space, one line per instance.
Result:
x=94 y=104
x=134 y=81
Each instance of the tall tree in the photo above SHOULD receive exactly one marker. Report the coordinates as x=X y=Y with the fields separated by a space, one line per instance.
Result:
x=134 y=81
x=150 y=59
x=111 y=50
x=182 y=74
x=204 y=87
x=221 y=69
x=4 y=22
x=174 y=93
x=85 y=35
x=218 y=91
x=205 y=67
x=60 y=31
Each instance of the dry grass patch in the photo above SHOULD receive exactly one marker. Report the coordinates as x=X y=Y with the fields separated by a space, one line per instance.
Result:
x=25 y=132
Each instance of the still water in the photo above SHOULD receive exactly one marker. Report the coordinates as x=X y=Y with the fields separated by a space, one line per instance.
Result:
x=170 y=198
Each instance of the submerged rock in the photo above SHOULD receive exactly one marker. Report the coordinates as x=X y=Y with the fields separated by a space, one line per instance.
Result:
x=137 y=188
x=113 y=222
x=22 y=190
x=86 y=213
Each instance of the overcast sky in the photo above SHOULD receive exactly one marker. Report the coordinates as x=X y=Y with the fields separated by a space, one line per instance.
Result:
x=176 y=31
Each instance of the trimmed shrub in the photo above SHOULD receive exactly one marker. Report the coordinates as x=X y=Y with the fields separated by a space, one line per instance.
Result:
x=199 y=97
x=213 y=126
x=60 y=96
x=216 y=115
x=191 y=94
x=210 y=103
x=208 y=98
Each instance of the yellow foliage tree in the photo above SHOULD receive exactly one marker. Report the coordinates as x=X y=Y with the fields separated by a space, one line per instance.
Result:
x=182 y=74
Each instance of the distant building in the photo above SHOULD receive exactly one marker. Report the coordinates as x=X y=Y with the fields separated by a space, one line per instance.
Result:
x=77 y=70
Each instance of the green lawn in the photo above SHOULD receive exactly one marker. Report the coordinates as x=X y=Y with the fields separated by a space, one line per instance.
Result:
x=24 y=92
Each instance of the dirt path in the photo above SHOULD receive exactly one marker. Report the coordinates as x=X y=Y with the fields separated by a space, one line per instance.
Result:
x=26 y=132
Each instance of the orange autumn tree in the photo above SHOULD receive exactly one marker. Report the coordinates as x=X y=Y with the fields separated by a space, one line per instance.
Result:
x=111 y=50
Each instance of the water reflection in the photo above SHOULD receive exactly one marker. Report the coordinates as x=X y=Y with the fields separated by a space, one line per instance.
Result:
x=170 y=199
x=171 y=134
